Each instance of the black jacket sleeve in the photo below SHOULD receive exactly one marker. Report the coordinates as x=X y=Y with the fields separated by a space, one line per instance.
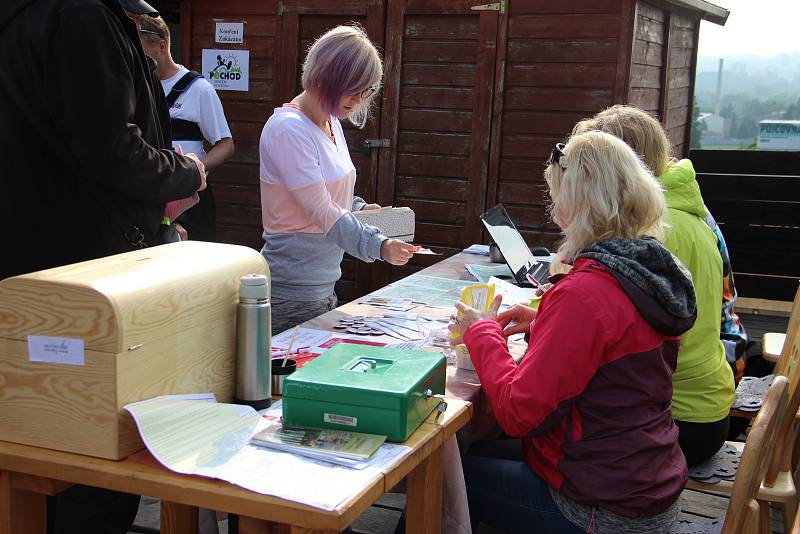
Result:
x=102 y=99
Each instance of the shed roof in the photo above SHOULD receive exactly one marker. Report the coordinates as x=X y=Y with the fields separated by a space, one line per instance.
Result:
x=706 y=10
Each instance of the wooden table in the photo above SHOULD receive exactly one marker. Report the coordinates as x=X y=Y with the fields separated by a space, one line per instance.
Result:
x=28 y=474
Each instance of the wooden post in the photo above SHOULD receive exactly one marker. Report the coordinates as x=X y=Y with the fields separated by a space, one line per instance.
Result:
x=424 y=496
x=21 y=510
x=178 y=518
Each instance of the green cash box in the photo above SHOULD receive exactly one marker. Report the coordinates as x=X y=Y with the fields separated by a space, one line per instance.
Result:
x=367 y=389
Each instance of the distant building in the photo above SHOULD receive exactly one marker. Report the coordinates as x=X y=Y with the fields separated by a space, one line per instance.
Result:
x=714 y=125
x=778 y=135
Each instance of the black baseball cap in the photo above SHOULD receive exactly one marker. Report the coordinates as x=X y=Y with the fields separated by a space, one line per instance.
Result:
x=139 y=7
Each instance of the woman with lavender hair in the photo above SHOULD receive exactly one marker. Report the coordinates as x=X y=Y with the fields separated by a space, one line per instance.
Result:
x=308 y=180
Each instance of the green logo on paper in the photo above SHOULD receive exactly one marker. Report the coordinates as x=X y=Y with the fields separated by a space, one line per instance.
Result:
x=227 y=69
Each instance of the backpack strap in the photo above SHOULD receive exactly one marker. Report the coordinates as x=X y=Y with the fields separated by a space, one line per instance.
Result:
x=183 y=84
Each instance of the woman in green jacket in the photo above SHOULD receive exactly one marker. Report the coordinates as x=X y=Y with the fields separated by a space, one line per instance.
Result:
x=703 y=386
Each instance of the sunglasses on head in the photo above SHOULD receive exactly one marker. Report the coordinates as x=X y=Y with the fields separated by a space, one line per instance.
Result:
x=558 y=156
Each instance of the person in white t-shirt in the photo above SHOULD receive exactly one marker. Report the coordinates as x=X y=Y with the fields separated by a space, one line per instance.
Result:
x=308 y=180
x=196 y=115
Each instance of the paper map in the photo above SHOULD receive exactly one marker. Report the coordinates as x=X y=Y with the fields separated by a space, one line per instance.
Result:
x=196 y=437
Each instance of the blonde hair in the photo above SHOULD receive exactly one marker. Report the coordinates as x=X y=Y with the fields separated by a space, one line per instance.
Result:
x=153 y=29
x=342 y=62
x=605 y=192
x=639 y=129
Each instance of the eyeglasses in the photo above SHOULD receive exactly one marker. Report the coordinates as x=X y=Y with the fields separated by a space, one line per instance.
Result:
x=152 y=33
x=558 y=156
x=368 y=92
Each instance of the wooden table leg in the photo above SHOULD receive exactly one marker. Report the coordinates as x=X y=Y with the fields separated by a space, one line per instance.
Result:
x=249 y=525
x=424 y=496
x=21 y=510
x=178 y=518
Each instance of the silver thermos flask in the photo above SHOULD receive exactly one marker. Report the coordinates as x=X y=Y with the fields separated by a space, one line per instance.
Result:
x=253 y=336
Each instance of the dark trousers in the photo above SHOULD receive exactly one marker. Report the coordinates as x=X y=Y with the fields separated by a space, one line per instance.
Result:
x=88 y=510
x=504 y=493
x=699 y=441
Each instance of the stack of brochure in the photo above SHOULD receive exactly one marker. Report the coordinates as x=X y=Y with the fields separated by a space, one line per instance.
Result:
x=335 y=446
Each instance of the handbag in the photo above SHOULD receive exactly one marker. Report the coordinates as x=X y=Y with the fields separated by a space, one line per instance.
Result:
x=397 y=223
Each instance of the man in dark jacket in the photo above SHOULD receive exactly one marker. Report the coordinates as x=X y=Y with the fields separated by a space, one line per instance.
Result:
x=87 y=167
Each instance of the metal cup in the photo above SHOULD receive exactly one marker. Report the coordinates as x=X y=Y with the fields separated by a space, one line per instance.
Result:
x=280 y=372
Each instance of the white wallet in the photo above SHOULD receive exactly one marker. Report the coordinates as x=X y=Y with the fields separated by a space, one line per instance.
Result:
x=397 y=223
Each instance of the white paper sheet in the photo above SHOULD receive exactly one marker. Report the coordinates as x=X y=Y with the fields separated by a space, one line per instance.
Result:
x=306 y=337
x=212 y=440
x=512 y=294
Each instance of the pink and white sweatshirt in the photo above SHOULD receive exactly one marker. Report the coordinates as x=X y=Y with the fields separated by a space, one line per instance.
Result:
x=307 y=195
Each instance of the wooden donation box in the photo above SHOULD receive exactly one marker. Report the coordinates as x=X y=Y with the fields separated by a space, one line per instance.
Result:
x=79 y=342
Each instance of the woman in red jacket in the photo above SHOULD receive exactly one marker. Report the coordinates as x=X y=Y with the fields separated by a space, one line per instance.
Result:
x=590 y=400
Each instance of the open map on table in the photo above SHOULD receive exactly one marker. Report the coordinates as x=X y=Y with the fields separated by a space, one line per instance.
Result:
x=428 y=290
x=201 y=437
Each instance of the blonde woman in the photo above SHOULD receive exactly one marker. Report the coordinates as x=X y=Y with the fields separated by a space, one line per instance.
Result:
x=703 y=385
x=590 y=399
x=308 y=180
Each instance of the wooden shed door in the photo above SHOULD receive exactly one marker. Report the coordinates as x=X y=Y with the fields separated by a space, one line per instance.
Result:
x=301 y=22
x=436 y=114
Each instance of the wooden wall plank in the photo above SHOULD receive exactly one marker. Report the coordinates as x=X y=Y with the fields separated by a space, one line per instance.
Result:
x=458 y=74
x=585 y=7
x=562 y=50
x=557 y=99
x=433 y=120
x=458 y=28
x=563 y=26
x=241 y=7
x=433 y=165
x=627 y=29
x=645 y=76
x=481 y=126
x=541 y=122
x=437 y=188
x=433 y=143
x=436 y=97
x=561 y=75
x=527 y=146
x=423 y=50
x=645 y=98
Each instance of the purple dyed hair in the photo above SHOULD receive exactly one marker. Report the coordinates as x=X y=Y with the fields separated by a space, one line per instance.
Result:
x=343 y=62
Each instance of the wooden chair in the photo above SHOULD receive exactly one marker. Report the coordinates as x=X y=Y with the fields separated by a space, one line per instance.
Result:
x=777 y=485
x=742 y=515
x=772 y=343
x=769 y=348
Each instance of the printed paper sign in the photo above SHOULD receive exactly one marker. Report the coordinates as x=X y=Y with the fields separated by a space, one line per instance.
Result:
x=227 y=70
x=55 y=350
x=229 y=32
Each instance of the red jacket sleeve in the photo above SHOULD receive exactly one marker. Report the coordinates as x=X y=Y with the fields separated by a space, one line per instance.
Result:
x=567 y=344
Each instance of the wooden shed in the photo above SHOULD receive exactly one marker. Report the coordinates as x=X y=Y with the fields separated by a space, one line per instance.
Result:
x=473 y=99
